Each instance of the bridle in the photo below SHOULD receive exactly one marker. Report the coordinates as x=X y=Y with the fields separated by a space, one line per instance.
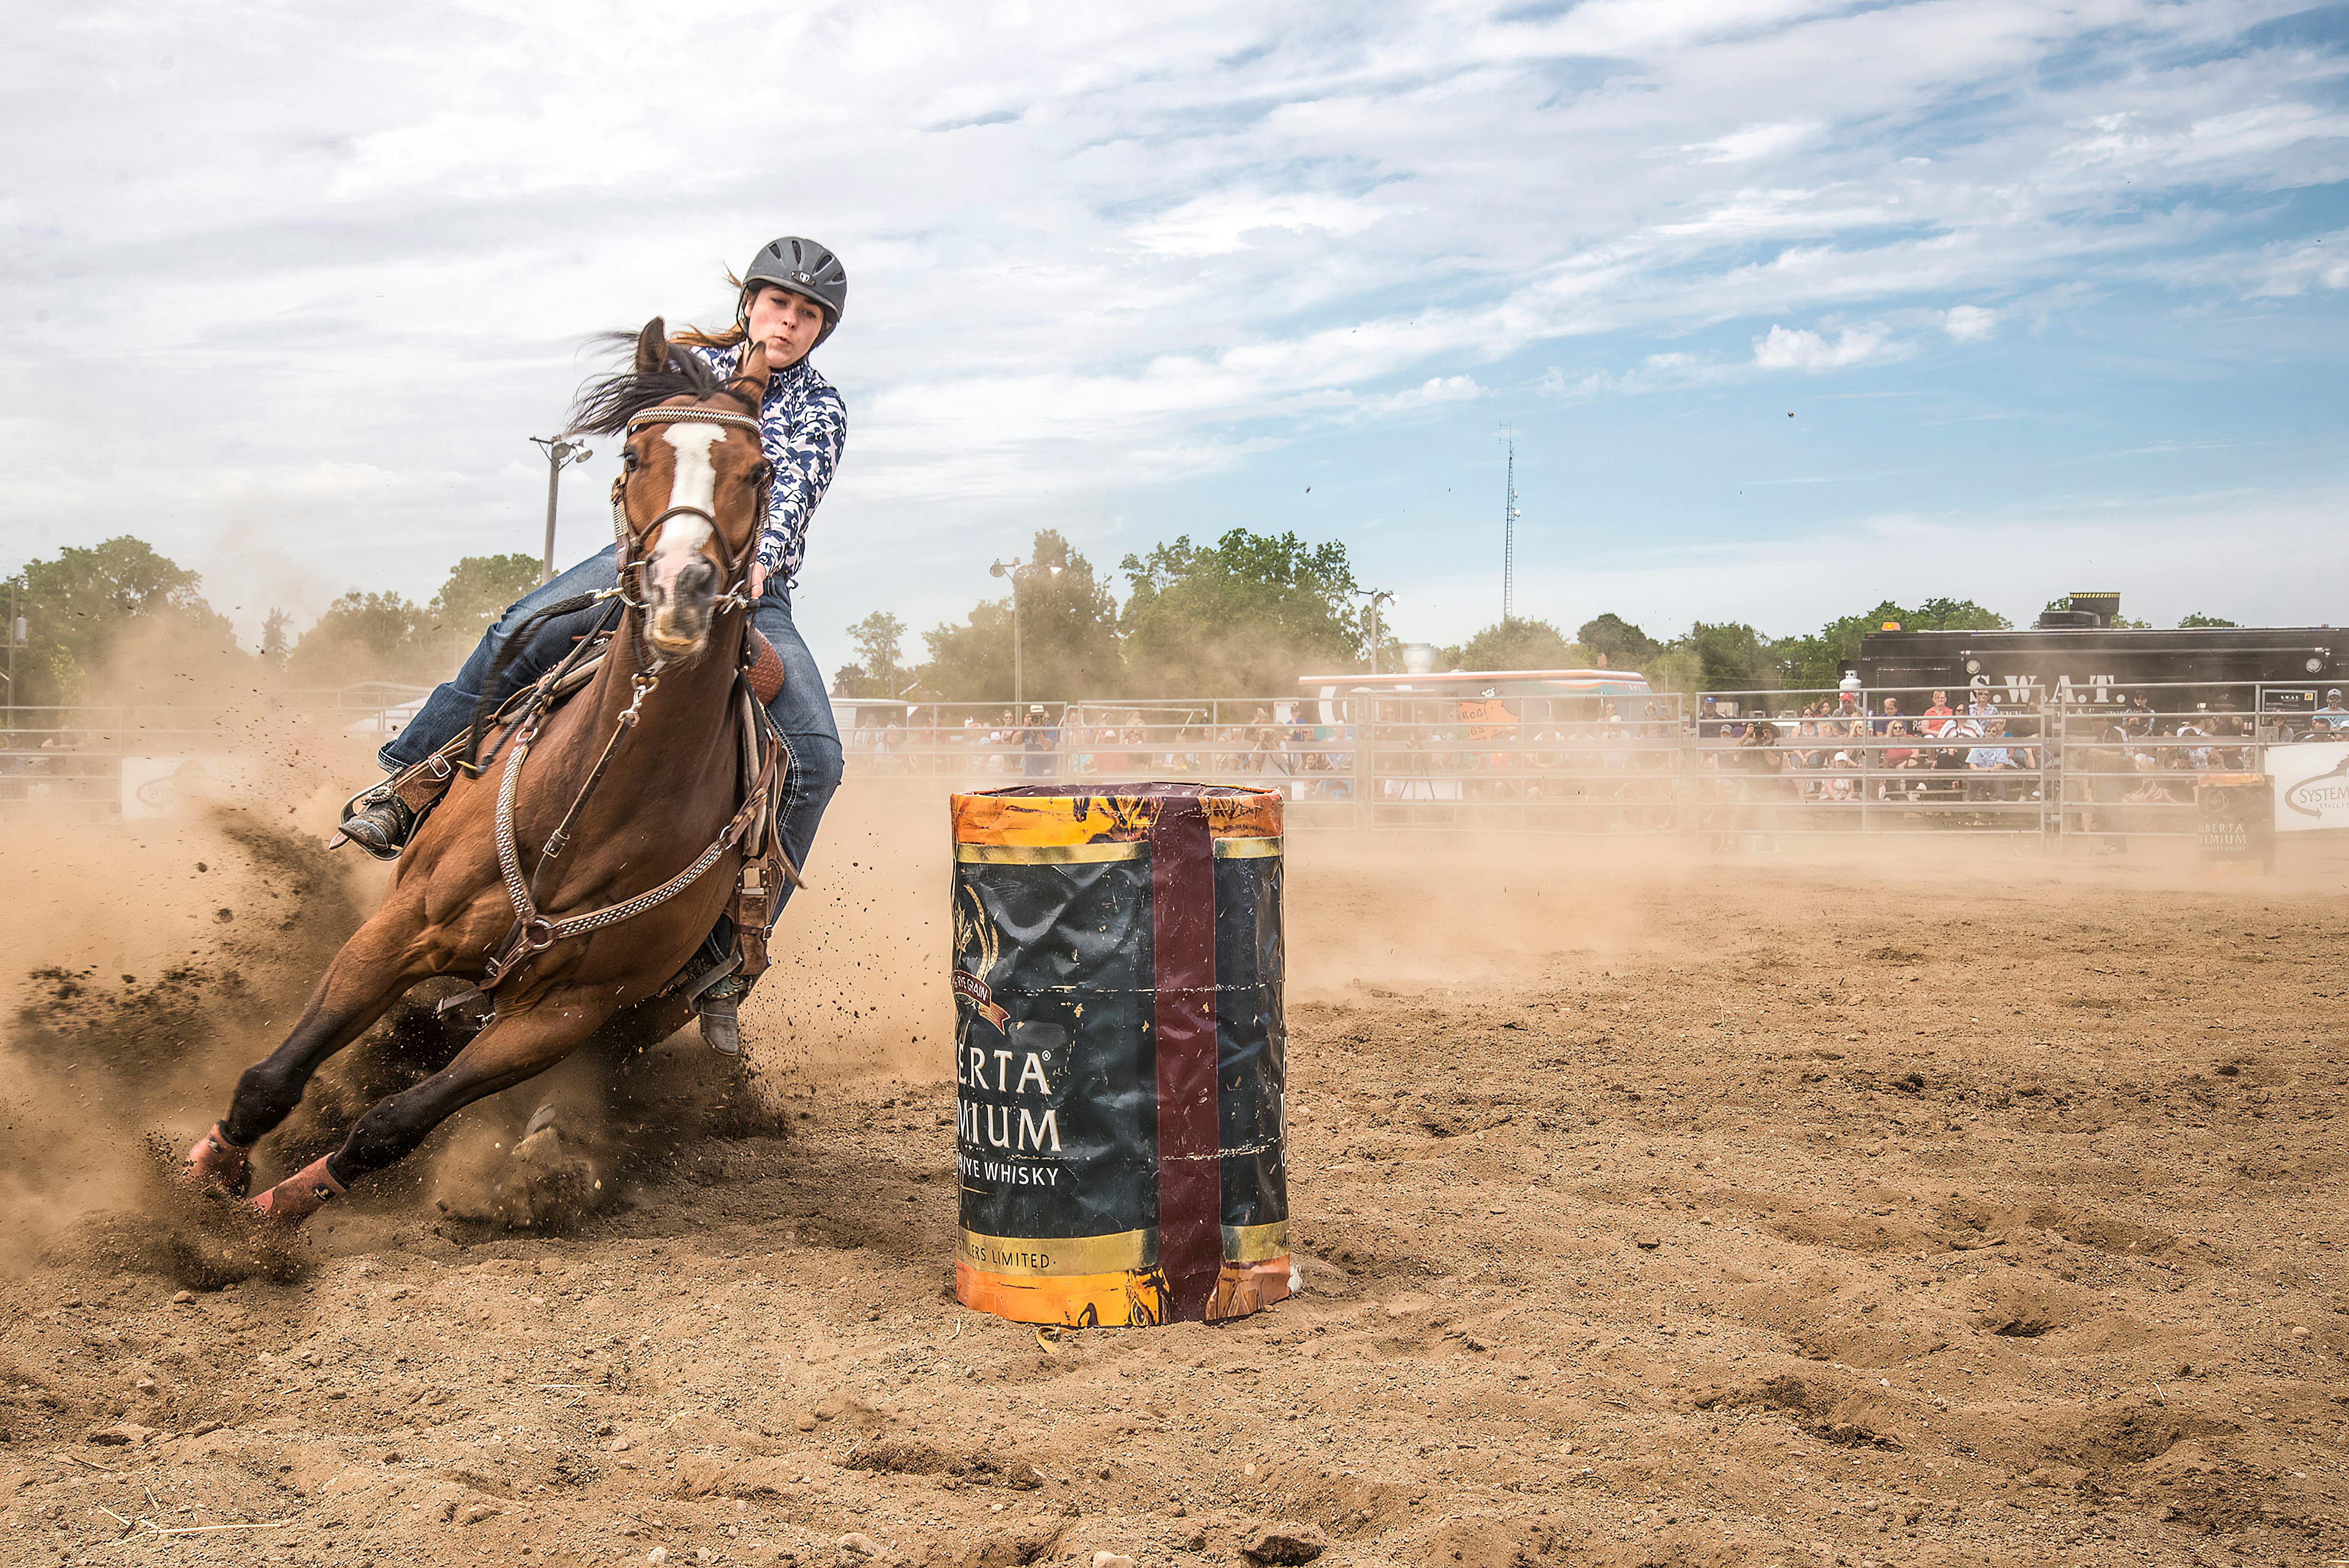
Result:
x=533 y=932
x=628 y=538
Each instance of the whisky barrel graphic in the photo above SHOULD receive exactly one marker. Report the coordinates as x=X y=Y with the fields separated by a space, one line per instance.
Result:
x=1120 y=1053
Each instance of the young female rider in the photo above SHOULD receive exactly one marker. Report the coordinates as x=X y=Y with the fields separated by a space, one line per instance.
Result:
x=793 y=294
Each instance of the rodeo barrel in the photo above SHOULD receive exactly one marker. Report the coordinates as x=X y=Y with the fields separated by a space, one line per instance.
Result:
x=1120 y=1052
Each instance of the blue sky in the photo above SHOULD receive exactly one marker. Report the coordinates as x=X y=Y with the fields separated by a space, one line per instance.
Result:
x=2052 y=293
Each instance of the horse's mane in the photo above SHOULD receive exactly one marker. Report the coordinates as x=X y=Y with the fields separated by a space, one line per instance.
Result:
x=605 y=404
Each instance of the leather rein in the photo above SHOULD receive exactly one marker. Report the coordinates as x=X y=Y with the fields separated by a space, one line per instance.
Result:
x=533 y=932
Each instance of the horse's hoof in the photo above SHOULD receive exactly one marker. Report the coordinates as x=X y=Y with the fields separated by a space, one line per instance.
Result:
x=300 y=1195
x=216 y=1162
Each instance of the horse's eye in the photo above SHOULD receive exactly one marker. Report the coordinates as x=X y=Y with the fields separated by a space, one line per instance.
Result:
x=628 y=459
x=764 y=471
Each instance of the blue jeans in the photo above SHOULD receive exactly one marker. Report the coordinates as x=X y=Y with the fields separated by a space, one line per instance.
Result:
x=801 y=711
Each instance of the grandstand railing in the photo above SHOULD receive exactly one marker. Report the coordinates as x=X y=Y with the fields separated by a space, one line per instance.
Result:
x=1832 y=763
x=70 y=759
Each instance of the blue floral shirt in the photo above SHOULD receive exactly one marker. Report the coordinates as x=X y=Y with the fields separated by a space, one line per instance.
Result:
x=803 y=426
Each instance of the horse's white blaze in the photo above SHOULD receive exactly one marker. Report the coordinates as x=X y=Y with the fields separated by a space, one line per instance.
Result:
x=695 y=485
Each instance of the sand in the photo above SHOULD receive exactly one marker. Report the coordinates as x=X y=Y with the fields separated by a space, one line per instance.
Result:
x=1961 y=1206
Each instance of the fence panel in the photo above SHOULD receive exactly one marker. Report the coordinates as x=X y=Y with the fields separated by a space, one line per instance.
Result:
x=1733 y=764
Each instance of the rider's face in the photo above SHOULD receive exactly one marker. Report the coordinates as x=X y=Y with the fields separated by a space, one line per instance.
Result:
x=786 y=323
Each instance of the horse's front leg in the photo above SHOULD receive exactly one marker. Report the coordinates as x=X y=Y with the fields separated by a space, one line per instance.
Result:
x=514 y=1047
x=373 y=971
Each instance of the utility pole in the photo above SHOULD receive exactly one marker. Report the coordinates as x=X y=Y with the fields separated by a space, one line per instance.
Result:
x=560 y=453
x=1377 y=597
x=1015 y=570
x=1509 y=533
x=16 y=640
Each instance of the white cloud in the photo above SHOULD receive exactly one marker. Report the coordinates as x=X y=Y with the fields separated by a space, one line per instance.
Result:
x=1094 y=251
x=1753 y=142
x=1782 y=348
x=1969 y=323
x=1222 y=222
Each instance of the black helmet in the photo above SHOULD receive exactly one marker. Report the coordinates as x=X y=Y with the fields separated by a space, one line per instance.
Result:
x=807 y=269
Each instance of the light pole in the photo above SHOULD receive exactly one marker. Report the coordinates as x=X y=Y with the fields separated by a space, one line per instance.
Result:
x=559 y=453
x=16 y=640
x=1015 y=570
x=1377 y=597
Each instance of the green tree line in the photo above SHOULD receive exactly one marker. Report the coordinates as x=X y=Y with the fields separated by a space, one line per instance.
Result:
x=104 y=617
x=1243 y=615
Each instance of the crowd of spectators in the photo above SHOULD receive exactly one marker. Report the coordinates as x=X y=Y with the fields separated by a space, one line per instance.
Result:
x=1976 y=751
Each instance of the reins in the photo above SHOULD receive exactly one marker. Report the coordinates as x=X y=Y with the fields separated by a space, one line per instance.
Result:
x=533 y=932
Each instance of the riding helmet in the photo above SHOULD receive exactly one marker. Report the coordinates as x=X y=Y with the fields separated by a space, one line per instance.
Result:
x=807 y=269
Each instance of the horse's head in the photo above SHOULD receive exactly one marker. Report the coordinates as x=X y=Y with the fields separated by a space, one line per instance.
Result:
x=692 y=485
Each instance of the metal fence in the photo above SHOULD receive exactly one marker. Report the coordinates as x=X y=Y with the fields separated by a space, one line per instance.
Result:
x=93 y=760
x=2011 y=761
x=1743 y=766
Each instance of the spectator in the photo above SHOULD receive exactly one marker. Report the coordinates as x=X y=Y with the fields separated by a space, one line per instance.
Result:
x=1897 y=755
x=1842 y=781
x=2152 y=789
x=2101 y=768
x=1892 y=711
x=1938 y=716
x=2333 y=718
x=1038 y=741
x=1262 y=742
x=1986 y=761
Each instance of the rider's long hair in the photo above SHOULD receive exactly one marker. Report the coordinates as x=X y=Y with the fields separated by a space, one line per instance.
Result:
x=733 y=336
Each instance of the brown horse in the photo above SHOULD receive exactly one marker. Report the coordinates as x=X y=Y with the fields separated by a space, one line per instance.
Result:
x=636 y=779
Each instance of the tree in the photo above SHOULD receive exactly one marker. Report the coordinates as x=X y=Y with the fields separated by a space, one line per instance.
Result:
x=1243 y=616
x=1516 y=643
x=878 y=638
x=276 y=641
x=2198 y=618
x=1068 y=637
x=79 y=606
x=477 y=591
x=362 y=637
x=1617 y=643
x=1730 y=657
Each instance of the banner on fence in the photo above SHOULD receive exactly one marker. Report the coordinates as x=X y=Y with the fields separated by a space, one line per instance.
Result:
x=2311 y=785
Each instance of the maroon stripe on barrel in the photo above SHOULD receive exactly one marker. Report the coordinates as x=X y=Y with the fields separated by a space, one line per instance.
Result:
x=1190 y=1167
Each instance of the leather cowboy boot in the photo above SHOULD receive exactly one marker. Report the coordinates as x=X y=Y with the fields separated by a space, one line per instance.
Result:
x=719 y=1006
x=382 y=828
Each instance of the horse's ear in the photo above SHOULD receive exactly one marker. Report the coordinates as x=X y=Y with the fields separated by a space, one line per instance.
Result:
x=756 y=370
x=652 y=347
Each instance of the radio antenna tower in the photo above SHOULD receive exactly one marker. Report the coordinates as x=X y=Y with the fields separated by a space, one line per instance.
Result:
x=1509 y=532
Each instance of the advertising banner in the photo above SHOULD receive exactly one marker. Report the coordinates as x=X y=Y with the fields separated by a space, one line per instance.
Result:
x=2311 y=785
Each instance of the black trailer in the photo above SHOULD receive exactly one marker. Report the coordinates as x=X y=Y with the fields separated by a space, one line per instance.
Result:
x=2075 y=657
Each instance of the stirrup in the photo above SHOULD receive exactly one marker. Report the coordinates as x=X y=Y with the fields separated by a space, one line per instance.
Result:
x=382 y=828
x=722 y=1020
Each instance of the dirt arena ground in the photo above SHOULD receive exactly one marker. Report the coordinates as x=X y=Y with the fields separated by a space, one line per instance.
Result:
x=1965 y=1207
